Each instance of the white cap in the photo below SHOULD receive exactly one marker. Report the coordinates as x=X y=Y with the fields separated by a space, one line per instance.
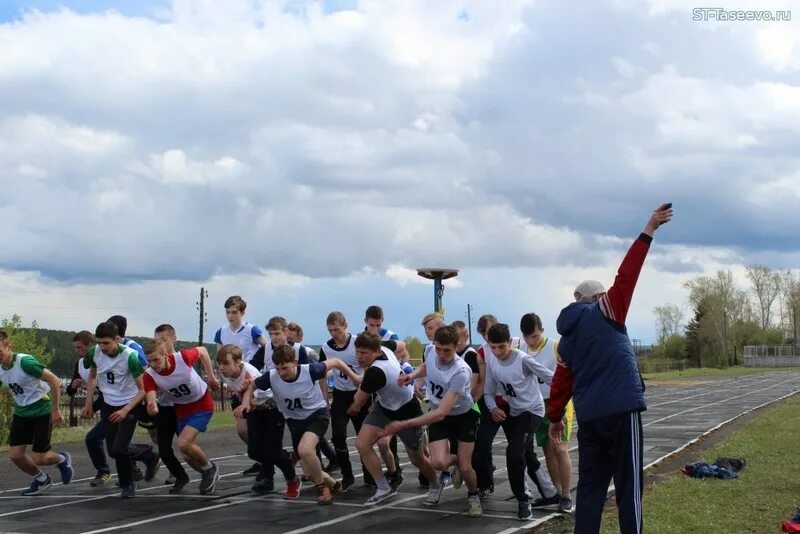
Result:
x=588 y=289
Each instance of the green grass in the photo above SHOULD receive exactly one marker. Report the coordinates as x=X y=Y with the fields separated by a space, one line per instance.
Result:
x=765 y=494
x=713 y=372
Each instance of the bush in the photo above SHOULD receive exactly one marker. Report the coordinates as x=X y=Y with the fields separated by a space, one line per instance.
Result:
x=26 y=341
x=671 y=348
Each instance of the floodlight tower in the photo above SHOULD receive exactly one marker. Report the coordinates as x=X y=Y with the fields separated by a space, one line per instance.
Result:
x=437 y=274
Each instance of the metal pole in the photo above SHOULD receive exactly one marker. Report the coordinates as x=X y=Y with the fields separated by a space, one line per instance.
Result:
x=438 y=290
x=469 y=322
x=202 y=315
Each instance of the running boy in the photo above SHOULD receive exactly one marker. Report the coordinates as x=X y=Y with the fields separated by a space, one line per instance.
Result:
x=35 y=392
x=117 y=372
x=452 y=416
x=394 y=402
x=265 y=424
x=173 y=373
x=306 y=411
x=510 y=373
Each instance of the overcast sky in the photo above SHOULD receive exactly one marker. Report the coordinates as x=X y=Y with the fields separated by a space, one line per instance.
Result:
x=309 y=155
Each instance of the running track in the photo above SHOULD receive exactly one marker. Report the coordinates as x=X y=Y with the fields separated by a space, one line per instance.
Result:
x=676 y=415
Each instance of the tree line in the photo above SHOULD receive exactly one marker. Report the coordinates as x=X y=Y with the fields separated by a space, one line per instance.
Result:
x=725 y=317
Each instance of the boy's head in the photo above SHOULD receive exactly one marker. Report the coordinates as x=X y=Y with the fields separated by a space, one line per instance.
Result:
x=445 y=339
x=165 y=333
x=157 y=355
x=373 y=319
x=121 y=322
x=431 y=322
x=368 y=348
x=284 y=359
x=531 y=327
x=277 y=327
x=499 y=337
x=5 y=347
x=107 y=334
x=337 y=325
x=81 y=343
x=229 y=360
x=294 y=332
x=485 y=322
x=235 y=307
x=463 y=334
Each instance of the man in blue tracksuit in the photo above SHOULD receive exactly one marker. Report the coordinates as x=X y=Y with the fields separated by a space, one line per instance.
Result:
x=598 y=370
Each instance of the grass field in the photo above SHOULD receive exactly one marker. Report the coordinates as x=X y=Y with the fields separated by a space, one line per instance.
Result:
x=713 y=372
x=766 y=493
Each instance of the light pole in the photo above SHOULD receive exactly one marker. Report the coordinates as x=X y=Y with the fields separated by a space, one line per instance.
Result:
x=437 y=274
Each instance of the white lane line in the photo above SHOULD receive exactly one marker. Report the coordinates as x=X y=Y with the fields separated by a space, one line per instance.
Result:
x=169 y=516
x=114 y=474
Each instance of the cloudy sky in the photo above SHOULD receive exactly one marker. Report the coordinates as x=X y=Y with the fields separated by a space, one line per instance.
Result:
x=309 y=155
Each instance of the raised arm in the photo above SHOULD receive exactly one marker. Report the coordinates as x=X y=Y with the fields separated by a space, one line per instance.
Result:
x=616 y=302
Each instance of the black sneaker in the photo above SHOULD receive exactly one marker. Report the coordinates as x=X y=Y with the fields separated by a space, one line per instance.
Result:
x=395 y=480
x=136 y=473
x=178 y=486
x=208 y=480
x=565 y=505
x=331 y=467
x=347 y=481
x=549 y=501
x=99 y=479
x=151 y=467
x=252 y=471
x=263 y=486
x=423 y=481
x=524 y=511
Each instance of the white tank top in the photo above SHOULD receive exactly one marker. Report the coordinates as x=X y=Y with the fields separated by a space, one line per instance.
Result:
x=298 y=399
x=348 y=355
x=25 y=389
x=183 y=384
x=438 y=381
x=261 y=395
x=83 y=372
x=242 y=337
x=392 y=396
x=546 y=356
x=519 y=390
x=113 y=376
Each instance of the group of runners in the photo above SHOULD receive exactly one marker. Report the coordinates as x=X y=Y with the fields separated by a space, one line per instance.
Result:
x=278 y=383
x=365 y=380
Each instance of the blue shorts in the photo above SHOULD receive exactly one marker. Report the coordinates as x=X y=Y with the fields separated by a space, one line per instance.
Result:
x=197 y=420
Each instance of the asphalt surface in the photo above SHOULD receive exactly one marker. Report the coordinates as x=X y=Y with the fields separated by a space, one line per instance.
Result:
x=676 y=415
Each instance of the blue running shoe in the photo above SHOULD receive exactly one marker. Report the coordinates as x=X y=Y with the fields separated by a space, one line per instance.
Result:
x=67 y=471
x=37 y=487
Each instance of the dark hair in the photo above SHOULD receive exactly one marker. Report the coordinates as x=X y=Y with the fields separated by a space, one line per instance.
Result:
x=283 y=354
x=84 y=337
x=446 y=335
x=121 y=322
x=368 y=340
x=237 y=302
x=4 y=337
x=459 y=325
x=374 y=312
x=276 y=323
x=294 y=327
x=530 y=323
x=165 y=328
x=485 y=322
x=499 y=333
x=107 y=329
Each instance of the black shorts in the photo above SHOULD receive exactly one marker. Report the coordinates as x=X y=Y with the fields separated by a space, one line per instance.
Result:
x=31 y=430
x=146 y=420
x=463 y=427
x=315 y=424
x=235 y=402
